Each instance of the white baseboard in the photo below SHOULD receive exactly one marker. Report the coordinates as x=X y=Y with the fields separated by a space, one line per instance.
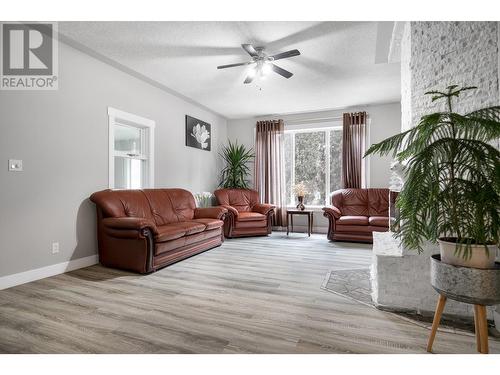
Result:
x=41 y=273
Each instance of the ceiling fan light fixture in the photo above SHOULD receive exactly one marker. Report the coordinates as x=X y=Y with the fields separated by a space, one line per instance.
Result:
x=252 y=72
x=266 y=68
x=262 y=64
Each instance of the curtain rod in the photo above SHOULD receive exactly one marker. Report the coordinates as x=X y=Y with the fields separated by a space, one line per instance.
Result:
x=312 y=119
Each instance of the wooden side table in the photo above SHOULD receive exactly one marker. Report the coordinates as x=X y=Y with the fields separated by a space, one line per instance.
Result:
x=478 y=287
x=289 y=220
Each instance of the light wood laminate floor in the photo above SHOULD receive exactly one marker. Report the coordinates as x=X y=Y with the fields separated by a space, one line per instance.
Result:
x=253 y=295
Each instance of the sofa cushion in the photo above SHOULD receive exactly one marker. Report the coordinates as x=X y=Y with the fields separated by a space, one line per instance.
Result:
x=209 y=223
x=172 y=231
x=378 y=202
x=120 y=203
x=191 y=227
x=250 y=216
x=352 y=220
x=170 y=205
x=354 y=202
x=241 y=199
x=379 y=221
x=169 y=232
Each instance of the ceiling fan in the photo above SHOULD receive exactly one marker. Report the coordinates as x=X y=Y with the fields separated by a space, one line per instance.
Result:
x=262 y=63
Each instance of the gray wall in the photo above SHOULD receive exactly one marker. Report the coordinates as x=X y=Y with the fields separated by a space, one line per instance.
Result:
x=62 y=137
x=385 y=121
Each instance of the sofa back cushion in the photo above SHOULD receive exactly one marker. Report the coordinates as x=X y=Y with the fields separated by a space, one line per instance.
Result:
x=241 y=199
x=164 y=206
x=362 y=202
x=378 y=202
x=121 y=203
x=351 y=202
x=170 y=205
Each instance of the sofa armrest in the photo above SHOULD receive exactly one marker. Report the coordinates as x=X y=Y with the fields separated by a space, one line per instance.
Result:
x=263 y=208
x=333 y=211
x=231 y=210
x=210 y=212
x=129 y=223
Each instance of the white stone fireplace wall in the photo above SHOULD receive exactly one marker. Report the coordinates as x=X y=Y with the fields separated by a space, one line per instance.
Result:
x=438 y=54
x=434 y=55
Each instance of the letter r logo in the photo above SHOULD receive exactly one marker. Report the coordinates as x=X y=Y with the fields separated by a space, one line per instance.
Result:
x=27 y=49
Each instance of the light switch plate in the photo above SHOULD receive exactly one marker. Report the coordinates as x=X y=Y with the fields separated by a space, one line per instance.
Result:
x=15 y=165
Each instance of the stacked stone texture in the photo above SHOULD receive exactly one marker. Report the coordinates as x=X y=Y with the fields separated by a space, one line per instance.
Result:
x=438 y=54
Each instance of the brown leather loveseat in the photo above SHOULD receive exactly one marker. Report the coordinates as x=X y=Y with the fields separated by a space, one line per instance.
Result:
x=246 y=216
x=144 y=230
x=356 y=213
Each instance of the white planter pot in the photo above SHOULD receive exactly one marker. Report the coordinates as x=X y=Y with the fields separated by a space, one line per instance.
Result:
x=479 y=258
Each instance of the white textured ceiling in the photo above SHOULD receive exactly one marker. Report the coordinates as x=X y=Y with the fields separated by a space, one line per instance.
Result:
x=337 y=66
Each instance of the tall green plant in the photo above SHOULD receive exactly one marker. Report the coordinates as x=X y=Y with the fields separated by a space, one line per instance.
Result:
x=452 y=176
x=236 y=171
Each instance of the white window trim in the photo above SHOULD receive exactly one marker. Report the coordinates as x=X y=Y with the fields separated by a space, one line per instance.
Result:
x=114 y=115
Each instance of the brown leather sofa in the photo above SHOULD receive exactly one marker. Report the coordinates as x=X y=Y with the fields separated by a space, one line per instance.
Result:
x=356 y=213
x=246 y=216
x=144 y=230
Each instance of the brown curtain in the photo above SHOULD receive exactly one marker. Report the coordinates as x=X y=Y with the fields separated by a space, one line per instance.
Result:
x=353 y=146
x=269 y=170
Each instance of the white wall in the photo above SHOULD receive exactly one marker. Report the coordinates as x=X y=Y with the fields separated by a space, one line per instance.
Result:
x=385 y=120
x=62 y=137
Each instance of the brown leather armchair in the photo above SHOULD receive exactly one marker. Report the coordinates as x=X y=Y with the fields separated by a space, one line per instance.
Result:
x=356 y=213
x=144 y=230
x=246 y=216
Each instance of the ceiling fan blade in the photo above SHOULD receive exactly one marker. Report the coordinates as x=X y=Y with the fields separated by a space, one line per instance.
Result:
x=232 y=65
x=284 y=55
x=249 y=79
x=250 y=49
x=281 y=71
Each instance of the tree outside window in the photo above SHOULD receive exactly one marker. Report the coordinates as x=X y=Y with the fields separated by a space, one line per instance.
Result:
x=314 y=158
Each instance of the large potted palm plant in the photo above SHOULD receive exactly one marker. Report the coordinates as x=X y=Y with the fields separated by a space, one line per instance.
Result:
x=452 y=182
x=236 y=170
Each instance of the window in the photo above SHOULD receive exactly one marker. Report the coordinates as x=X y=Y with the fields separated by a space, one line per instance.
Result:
x=131 y=140
x=314 y=157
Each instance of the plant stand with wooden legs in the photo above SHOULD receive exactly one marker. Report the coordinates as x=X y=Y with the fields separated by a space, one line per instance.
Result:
x=479 y=287
x=480 y=325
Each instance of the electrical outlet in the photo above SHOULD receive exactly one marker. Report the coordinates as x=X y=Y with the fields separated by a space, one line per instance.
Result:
x=15 y=165
x=55 y=247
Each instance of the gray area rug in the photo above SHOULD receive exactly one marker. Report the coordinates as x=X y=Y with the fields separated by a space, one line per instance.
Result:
x=355 y=285
x=351 y=283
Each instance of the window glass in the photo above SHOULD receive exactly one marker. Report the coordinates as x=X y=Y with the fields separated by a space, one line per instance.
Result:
x=129 y=173
x=128 y=139
x=310 y=165
x=306 y=156
x=335 y=160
